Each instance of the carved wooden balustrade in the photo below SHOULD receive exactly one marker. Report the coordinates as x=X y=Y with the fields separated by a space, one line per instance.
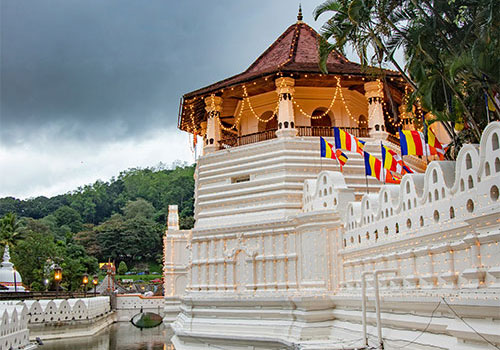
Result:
x=305 y=131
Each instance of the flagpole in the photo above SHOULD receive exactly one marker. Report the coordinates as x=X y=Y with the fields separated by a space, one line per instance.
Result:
x=425 y=131
x=336 y=157
x=367 y=189
x=383 y=160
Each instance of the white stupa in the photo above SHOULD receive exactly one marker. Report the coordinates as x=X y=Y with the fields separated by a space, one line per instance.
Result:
x=9 y=277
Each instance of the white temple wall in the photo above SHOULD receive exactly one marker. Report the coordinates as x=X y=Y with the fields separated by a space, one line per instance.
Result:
x=443 y=232
x=294 y=229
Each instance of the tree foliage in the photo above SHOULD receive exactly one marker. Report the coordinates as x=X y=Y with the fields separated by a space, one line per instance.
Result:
x=451 y=48
x=123 y=220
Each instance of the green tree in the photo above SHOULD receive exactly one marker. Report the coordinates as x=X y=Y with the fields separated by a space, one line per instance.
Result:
x=451 y=50
x=67 y=216
x=10 y=230
x=32 y=254
x=122 y=268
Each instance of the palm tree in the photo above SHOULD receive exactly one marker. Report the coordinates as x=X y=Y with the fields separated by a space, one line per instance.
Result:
x=10 y=230
x=451 y=50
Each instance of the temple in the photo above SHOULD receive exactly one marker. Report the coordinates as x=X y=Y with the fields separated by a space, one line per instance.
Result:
x=285 y=244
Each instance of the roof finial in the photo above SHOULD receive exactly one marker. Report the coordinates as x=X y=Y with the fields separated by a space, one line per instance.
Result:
x=299 y=16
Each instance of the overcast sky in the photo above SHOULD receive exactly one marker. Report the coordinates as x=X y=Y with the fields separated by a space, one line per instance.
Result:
x=91 y=87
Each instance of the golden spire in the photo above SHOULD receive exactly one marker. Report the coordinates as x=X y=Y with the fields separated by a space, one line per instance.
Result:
x=299 y=16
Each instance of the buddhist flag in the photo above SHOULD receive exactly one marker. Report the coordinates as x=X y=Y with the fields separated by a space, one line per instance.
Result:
x=342 y=158
x=346 y=141
x=374 y=167
x=435 y=146
x=412 y=143
x=327 y=150
x=393 y=161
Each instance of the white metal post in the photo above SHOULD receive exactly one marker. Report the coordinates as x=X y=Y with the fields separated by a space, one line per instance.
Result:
x=363 y=304
x=377 y=303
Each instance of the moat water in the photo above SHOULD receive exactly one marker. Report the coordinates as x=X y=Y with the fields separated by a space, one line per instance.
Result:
x=118 y=336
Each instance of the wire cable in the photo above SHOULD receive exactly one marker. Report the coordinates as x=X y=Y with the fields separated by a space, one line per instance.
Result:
x=468 y=325
x=422 y=332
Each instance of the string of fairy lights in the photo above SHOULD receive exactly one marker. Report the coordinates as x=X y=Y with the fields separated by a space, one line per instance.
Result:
x=246 y=105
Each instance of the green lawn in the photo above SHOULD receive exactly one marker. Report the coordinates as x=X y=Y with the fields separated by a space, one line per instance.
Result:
x=146 y=278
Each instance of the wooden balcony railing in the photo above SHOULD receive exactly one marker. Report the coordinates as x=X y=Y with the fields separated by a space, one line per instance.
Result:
x=326 y=131
x=235 y=140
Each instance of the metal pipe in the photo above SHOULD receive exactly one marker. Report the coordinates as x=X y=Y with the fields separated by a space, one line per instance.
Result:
x=377 y=303
x=363 y=305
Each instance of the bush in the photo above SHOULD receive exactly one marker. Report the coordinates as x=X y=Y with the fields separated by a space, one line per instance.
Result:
x=122 y=268
x=37 y=287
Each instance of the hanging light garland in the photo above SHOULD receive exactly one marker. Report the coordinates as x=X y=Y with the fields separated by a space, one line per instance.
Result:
x=236 y=122
x=338 y=91
x=247 y=98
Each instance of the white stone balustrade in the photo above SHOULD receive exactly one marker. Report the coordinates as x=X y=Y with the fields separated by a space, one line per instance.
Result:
x=14 y=333
x=439 y=229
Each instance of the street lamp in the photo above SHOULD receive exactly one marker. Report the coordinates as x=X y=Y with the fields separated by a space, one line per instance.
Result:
x=85 y=281
x=57 y=277
x=95 y=282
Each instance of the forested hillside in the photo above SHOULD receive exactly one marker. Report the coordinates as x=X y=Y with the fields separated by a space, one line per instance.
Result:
x=122 y=220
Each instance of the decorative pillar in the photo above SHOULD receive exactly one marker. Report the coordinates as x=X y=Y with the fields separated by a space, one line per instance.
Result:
x=430 y=276
x=213 y=135
x=374 y=92
x=412 y=279
x=286 y=118
x=173 y=217
x=476 y=273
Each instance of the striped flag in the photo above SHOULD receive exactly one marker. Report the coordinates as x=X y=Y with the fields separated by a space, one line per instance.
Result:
x=347 y=142
x=374 y=167
x=326 y=149
x=342 y=158
x=434 y=145
x=393 y=161
x=412 y=143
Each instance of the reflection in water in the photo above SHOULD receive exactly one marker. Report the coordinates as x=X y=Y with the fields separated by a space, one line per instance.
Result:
x=118 y=336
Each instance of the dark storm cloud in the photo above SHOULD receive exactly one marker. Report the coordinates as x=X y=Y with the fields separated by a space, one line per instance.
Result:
x=99 y=70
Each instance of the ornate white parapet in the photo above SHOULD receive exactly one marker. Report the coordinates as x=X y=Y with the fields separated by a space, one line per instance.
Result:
x=286 y=117
x=374 y=93
x=213 y=106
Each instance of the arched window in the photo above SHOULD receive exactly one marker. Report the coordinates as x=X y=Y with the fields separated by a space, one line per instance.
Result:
x=470 y=182
x=494 y=140
x=468 y=161
x=325 y=120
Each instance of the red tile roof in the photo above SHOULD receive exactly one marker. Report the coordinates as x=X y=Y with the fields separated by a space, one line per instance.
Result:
x=296 y=50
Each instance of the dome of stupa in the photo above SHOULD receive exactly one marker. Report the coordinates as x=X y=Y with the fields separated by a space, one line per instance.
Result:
x=7 y=273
